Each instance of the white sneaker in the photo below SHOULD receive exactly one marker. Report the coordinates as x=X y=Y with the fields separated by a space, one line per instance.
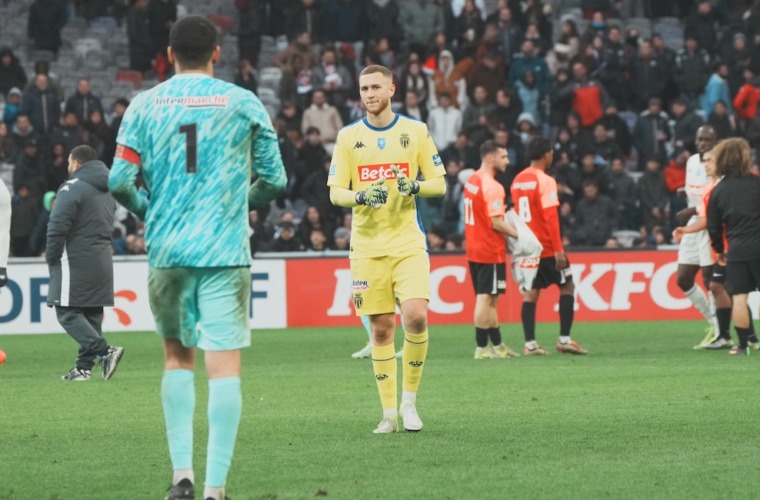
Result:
x=388 y=425
x=502 y=351
x=412 y=422
x=365 y=352
x=720 y=343
x=482 y=353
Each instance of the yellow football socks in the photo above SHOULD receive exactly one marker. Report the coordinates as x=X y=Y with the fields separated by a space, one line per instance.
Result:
x=384 y=364
x=415 y=353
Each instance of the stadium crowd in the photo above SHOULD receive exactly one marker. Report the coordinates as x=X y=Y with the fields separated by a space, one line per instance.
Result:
x=621 y=101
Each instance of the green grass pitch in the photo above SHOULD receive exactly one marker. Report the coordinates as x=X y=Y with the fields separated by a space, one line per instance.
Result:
x=643 y=416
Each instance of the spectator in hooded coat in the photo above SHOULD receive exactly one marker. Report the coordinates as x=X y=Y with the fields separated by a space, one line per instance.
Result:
x=11 y=73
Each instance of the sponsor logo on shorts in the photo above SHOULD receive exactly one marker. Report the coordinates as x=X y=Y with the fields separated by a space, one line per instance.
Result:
x=371 y=173
x=437 y=160
x=501 y=284
x=530 y=262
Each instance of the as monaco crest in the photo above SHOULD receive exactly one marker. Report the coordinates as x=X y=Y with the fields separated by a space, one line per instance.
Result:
x=404 y=140
x=381 y=142
x=358 y=300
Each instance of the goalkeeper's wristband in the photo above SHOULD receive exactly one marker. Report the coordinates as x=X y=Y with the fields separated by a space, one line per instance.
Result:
x=360 y=198
x=415 y=187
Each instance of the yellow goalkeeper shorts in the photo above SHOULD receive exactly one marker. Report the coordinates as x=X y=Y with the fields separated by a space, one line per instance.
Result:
x=378 y=281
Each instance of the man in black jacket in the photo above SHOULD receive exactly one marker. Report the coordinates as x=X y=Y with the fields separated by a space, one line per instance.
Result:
x=691 y=70
x=83 y=102
x=138 y=36
x=79 y=257
x=734 y=206
x=46 y=19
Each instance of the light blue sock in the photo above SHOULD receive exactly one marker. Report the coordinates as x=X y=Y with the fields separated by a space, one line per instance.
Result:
x=225 y=404
x=365 y=322
x=178 y=399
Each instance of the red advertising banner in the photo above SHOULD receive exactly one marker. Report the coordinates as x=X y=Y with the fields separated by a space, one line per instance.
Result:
x=610 y=286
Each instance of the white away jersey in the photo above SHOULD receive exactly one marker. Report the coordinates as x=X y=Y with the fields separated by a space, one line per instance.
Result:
x=696 y=180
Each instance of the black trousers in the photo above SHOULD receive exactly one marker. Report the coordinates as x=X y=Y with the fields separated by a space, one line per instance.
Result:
x=84 y=325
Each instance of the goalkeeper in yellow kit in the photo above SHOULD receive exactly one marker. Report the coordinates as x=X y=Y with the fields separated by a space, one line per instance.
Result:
x=375 y=169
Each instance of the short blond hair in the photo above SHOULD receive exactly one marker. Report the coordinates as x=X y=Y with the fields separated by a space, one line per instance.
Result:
x=377 y=68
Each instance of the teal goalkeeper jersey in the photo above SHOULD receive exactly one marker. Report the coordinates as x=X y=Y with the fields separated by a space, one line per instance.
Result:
x=197 y=139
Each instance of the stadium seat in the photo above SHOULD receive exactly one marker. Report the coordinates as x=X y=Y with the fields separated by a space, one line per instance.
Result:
x=122 y=61
x=671 y=21
x=614 y=21
x=281 y=42
x=222 y=22
x=626 y=237
x=42 y=55
x=96 y=60
x=83 y=46
x=103 y=25
x=643 y=24
x=126 y=75
x=270 y=78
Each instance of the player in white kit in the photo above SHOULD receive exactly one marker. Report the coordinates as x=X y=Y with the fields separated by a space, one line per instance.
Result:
x=694 y=251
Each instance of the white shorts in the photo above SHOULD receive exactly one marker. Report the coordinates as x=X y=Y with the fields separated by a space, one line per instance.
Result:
x=695 y=250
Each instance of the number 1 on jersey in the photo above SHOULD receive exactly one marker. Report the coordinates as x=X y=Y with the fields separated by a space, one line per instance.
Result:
x=191 y=152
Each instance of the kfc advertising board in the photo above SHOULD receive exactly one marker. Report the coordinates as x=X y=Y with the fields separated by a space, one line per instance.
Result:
x=609 y=286
x=314 y=292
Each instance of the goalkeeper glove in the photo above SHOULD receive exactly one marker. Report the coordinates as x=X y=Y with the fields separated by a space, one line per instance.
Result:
x=3 y=277
x=374 y=196
x=406 y=186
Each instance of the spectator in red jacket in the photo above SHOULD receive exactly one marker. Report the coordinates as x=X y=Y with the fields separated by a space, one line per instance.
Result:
x=747 y=99
x=588 y=96
x=675 y=180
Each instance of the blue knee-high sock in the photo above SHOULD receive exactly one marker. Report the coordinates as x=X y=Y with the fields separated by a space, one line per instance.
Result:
x=365 y=322
x=178 y=399
x=225 y=404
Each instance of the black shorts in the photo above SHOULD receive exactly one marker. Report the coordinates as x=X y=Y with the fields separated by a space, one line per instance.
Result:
x=742 y=277
x=548 y=274
x=490 y=279
x=719 y=274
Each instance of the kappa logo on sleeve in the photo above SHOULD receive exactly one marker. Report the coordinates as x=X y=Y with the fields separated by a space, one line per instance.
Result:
x=437 y=160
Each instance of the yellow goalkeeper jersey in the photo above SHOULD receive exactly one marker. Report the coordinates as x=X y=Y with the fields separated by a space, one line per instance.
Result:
x=364 y=154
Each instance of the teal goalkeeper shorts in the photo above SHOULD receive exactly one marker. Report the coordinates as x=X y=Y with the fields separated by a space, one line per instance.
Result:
x=202 y=307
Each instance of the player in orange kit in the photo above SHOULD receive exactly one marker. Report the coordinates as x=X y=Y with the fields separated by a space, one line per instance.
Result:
x=535 y=196
x=485 y=230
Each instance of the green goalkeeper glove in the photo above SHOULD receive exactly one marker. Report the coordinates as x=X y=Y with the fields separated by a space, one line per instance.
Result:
x=374 y=196
x=406 y=186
